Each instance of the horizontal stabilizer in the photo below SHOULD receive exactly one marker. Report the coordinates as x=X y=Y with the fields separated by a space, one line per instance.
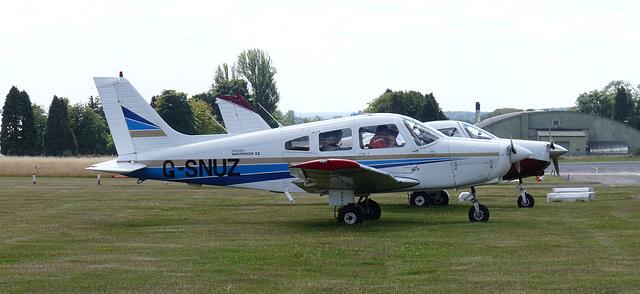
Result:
x=113 y=166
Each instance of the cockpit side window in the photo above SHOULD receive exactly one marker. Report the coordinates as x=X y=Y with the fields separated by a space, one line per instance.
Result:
x=451 y=132
x=380 y=136
x=478 y=133
x=421 y=134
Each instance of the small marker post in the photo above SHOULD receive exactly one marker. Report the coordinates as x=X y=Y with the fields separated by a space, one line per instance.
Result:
x=34 y=178
x=98 y=179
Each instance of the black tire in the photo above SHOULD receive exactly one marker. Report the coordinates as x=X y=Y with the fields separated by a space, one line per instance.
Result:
x=440 y=198
x=480 y=216
x=529 y=203
x=372 y=210
x=350 y=215
x=419 y=199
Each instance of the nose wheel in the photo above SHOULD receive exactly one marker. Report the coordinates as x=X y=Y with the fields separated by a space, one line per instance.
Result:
x=478 y=212
x=525 y=200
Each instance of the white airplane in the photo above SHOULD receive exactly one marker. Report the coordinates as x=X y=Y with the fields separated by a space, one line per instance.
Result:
x=328 y=157
x=543 y=154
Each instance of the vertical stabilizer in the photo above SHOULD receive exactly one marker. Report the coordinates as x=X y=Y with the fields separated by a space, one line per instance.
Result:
x=135 y=126
x=238 y=115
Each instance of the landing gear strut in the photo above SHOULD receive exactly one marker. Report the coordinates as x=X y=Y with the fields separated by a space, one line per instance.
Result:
x=365 y=209
x=525 y=200
x=478 y=212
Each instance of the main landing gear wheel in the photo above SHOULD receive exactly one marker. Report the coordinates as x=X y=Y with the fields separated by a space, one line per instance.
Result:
x=482 y=215
x=371 y=210
x=440 y=198
x=419 y=198
x=527 y=202
x=350 y=214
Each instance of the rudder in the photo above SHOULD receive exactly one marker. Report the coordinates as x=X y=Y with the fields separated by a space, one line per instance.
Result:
x=135 y=126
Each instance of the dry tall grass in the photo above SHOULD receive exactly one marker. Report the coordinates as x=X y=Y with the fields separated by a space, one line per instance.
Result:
x=18 y=166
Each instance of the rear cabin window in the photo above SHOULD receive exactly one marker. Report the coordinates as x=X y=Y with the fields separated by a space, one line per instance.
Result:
x=300 y=144
x=380 y=136
x=335 y=140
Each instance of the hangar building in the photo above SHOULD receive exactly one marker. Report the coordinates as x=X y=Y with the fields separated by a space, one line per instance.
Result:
x=580 y=133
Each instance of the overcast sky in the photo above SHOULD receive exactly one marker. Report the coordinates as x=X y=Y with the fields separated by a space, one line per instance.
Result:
x=330 y=55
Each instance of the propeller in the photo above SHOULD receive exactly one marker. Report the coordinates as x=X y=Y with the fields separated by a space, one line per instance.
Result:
x=514 y=151
x=555 y=152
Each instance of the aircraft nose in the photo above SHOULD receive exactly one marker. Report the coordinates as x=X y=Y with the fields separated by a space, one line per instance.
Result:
x=520 y=153
x=558 y=151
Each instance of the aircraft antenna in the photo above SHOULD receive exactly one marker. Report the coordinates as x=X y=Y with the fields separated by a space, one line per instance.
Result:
x=279 y=124
x=211 y=116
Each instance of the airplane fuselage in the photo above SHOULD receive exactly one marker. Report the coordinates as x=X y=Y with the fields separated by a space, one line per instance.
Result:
x=261 y=160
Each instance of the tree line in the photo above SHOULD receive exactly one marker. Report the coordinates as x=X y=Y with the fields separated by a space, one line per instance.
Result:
x=81 y=129
x=618 y=100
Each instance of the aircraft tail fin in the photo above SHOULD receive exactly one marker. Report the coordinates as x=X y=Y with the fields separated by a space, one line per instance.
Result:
x=135 y=126
x=238 y=115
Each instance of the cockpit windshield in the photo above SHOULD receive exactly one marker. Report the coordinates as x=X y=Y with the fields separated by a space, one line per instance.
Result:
x=477 y=133
x=421 y=134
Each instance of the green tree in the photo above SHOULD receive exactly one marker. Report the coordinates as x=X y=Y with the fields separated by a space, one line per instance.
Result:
x=41 y=123
x=174 y=108
x=90 y=129
x=623 y=106
x=224 y=84
x=409 y=103
x=603 y=102
x=95 y=104
x=203 y=123
x=289 y=118
x=257 y=68
x=59 y=139
x=635 y=119
x=430 y=109
x=596 y=102
x=19 y=135
x=312 y=119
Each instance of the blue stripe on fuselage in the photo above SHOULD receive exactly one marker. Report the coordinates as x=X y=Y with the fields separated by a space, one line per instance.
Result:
x=249 y=173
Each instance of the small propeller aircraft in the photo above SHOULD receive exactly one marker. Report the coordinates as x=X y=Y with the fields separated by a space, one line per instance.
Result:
x=543 y=153
x=335 y=157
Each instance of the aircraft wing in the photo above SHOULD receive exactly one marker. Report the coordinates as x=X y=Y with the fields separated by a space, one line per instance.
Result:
x=113 y=166
x=323 y=175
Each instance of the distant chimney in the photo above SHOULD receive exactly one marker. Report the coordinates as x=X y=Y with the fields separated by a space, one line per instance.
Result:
x=477 y=112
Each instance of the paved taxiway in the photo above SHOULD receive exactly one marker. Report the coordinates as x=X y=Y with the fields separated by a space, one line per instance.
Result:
x=606 y=173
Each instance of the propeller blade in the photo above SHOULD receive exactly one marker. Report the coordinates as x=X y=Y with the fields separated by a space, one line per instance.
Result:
x=518 y=168
x=553 y=146
x=556 y=165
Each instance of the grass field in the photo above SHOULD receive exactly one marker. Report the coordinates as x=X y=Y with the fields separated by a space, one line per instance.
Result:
x=71 y=235
x=18 y=166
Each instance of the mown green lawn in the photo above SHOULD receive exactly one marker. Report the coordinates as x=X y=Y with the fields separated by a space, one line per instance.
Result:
x=71 y=235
